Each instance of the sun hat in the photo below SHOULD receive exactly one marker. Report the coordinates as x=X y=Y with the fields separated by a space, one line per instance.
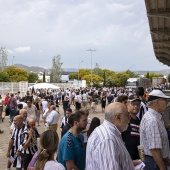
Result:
x=157 y=94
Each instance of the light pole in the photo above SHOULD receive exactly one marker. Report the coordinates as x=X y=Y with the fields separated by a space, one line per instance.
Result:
x=78 y=72
x=13 y=59
x=91 y=81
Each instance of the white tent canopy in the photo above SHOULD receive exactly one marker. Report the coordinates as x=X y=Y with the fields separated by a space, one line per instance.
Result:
x=44 y=86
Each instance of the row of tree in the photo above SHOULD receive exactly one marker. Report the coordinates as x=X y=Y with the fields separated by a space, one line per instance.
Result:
x=105 y=77
x=15 y=74
x=100 y=77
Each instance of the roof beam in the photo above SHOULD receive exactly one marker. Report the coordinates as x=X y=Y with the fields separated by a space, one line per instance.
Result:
x=165 y=14
x=162 y=55
x=164 y=50
x=166 y=33
x=165 y=43
x=147 y=5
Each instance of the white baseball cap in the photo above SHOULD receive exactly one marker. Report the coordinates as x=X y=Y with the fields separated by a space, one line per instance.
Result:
x=156 y=94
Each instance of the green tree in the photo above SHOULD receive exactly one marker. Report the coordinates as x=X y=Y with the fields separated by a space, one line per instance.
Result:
x=84 y=72
x=131 y=74
x=44 y=77
x=109 y=73
x=51 y=78
x=121 y=78
x=39 y=81
x=73 y=76
x=147 y=75
x=104 y=78
x=16 y=74
x=4 y=77
x=97 y=70
x=96 y=79
x=110 y=82
x=151 y=75
x=56 y=68
x=32 y=77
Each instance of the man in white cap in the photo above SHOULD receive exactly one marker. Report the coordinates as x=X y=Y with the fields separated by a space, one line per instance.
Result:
x=153 y=135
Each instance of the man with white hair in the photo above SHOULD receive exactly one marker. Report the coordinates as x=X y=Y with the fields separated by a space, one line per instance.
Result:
x=105 y=147
x=52 y=119
x=153 y=135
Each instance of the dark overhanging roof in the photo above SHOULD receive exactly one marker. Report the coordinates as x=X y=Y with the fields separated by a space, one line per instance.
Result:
x=158 y=12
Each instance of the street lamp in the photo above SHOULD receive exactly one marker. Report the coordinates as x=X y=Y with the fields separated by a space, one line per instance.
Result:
x=91 y=81
x=78 y=72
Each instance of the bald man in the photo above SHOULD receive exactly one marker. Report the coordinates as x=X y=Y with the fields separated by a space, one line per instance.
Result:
x=29 y=143
x=15 y=144
x=105 y=147
x=23 y=113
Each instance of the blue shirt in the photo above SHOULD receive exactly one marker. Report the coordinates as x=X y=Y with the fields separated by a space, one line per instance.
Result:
x=72 y=148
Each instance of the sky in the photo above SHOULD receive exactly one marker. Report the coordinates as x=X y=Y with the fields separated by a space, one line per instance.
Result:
x=34 y=31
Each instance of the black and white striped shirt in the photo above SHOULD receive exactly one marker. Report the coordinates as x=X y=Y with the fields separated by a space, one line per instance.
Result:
x=17 y=145
x=33 y=148
x=64 y=121
x=106 y=149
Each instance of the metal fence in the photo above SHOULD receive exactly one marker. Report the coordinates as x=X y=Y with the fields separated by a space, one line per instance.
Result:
x=23 y=87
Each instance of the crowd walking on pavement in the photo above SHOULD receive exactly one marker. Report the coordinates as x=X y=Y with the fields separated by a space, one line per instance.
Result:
x=134 y=134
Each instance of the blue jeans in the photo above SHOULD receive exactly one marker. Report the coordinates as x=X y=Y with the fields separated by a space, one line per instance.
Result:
x=150 y=163
x=12 y=112
x=64 y=111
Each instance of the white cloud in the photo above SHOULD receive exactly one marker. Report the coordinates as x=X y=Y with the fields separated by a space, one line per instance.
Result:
x=22 y=49
x=118 y=30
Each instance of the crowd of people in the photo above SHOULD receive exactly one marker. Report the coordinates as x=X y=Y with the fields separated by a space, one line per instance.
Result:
x=133 y=118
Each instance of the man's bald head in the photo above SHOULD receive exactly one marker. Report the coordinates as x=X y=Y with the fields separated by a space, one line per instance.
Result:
x=113 y=109
x=31 y=123
x=18 y=121
x=18 y=117
x=117 y=114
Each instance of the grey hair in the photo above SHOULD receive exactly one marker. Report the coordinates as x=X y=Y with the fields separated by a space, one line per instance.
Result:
x=112 y=112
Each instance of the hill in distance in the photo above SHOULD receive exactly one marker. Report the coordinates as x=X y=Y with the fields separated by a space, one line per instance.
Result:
x=37 y=69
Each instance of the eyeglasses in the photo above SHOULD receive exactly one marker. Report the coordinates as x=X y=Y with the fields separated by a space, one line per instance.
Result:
x=135 y=104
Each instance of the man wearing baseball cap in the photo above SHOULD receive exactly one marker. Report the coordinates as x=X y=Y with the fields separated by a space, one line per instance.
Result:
x=131 y=136
x=153 y=135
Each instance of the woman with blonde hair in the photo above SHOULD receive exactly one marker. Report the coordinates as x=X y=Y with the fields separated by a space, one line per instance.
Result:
x=48 y=144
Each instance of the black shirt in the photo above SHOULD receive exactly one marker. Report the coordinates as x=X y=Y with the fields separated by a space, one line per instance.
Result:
x=131 y=137
x=65 y=129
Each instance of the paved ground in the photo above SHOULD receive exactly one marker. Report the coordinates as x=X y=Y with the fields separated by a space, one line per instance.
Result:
x=4 y=138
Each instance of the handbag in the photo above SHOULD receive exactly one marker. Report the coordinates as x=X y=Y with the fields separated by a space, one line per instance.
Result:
x=7 y=110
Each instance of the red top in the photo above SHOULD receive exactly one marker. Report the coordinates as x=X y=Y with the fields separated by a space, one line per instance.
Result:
x=6 y=100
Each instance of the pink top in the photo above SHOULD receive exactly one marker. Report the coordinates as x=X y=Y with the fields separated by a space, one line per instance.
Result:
x=53 y=165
